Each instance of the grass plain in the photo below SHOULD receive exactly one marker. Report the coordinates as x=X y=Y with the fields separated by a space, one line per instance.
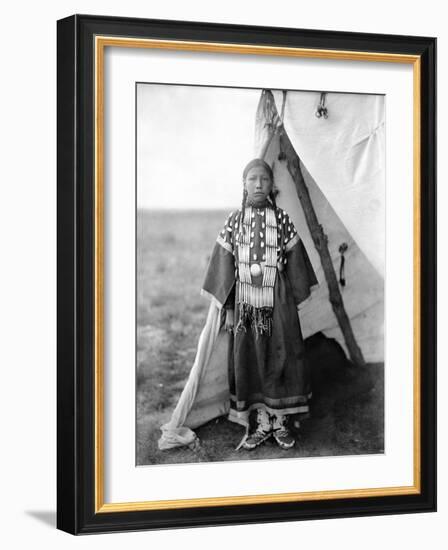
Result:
x=173 y=249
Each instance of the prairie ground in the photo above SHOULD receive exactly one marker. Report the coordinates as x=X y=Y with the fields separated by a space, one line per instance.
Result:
x=173 y=248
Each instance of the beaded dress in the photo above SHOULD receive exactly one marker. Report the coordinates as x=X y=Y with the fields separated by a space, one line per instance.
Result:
x=260 y=269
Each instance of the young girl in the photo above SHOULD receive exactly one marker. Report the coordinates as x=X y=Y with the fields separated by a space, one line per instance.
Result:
x=259 y=273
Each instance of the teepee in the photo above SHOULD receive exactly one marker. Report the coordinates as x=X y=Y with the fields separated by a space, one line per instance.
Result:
x=329 y=172
x=327 y=154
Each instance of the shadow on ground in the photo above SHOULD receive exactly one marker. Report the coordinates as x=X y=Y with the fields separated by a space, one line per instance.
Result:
x=347 y=417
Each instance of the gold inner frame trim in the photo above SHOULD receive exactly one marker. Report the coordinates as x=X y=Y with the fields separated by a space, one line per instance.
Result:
x=101 y=42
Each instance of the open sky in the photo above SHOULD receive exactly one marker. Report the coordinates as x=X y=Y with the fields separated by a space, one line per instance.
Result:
x=192 y=145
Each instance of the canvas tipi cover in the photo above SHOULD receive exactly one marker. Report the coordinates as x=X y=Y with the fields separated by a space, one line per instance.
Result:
x=342 y=162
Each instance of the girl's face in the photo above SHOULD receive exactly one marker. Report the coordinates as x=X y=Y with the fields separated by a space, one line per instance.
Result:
x=258 y=184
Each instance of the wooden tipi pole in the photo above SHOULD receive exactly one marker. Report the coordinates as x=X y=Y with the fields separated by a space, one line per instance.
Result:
x=320 y=242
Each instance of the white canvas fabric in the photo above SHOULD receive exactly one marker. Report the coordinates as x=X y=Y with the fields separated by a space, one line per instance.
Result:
x=206 y=393
x=363 y=294
x=345 y=155
x=342 y=161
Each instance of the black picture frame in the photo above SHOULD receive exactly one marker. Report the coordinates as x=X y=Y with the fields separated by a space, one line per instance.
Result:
x=76 y=509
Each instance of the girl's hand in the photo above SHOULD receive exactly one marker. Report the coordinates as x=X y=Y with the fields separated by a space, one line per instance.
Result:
x=229 y=320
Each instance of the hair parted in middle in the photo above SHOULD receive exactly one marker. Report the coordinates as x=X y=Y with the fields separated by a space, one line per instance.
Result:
x=258 y=162
x=271 y=196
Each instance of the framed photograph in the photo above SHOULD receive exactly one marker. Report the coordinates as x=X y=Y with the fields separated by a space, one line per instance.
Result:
x=246 y=274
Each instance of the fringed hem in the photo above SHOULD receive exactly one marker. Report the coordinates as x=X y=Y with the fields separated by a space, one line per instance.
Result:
x=242 y=417
x=279 y=403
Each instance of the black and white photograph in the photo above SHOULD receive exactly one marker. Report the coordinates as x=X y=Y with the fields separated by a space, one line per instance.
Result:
x=221 y=317
x=260 y=265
